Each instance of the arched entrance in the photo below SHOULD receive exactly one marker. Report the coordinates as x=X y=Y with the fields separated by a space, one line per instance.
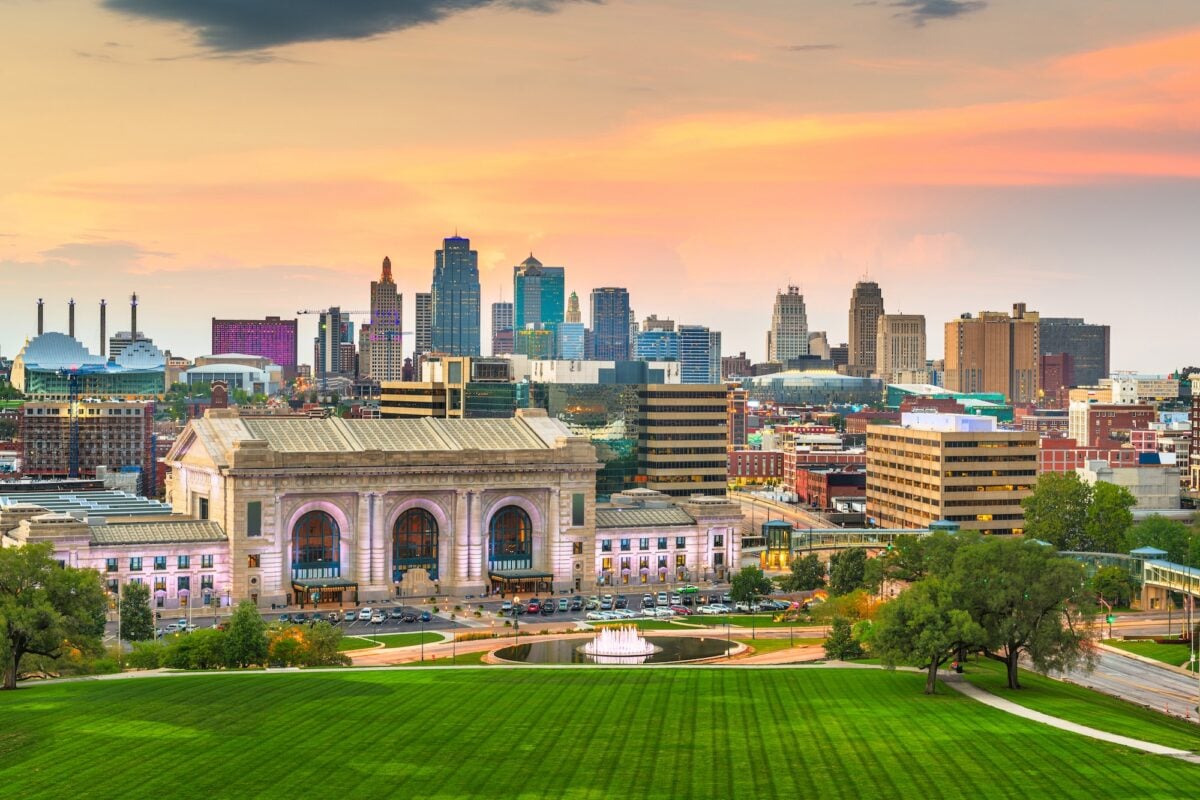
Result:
x=317 y=561
x=510 y=553
x=415 y=544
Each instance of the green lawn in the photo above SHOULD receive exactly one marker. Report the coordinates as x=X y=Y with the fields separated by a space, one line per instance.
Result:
x=389 y=640
x=774 y=645
x=461 y=660
x=564 y=733
x=1084 y=706
x=746 y=621
x=1174 y=654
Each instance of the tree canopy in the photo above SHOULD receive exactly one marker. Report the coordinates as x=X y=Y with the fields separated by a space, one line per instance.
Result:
x=1072 y=515
x=847 y=570
x=137 y=620
x=45 y=608
x=1165 y=534
x=925 y=626
x=749 y=584
x=246 y=639
x=807 y=573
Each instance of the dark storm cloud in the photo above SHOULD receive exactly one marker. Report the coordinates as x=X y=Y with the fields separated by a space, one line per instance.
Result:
x=241 y=25
x=921 y=11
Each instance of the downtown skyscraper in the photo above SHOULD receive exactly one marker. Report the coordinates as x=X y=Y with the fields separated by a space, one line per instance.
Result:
x=381 y=348
x=788 y=337
x=610 y=323
x=866 y=306
x=455 y=295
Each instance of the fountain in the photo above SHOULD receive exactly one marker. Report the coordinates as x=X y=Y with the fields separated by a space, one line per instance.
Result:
x=622 y=642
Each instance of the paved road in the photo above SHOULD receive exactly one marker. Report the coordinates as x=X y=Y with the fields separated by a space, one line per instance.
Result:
x=758 y=511
x=1146 y=684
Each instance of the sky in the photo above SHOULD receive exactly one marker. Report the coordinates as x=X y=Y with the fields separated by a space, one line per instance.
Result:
x=245 y=159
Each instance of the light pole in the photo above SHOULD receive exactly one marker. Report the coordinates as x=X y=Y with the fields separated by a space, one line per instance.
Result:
x=728 y=639
x=120 y=650
x=516 y=619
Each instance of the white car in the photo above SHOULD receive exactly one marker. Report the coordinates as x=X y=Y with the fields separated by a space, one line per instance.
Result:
x=364 y=615
x=663 y=612
x=624 y=613
x=648 y=611
x=676 y=600
x=707 y=610
x=596 y=615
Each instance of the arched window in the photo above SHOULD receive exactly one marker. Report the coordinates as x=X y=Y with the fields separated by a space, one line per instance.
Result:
x=316 y=547
x=510 y=539
x=415 y=543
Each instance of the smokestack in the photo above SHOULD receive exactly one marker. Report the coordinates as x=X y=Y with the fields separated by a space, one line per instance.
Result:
x=133 y=318
x=40 y=317
x=71 y=318
x=103 y=336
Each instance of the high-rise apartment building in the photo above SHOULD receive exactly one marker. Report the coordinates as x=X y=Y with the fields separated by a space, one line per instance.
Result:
x=683 y=438
x=788 y=337
x=696 y=355
x=571 y=341
x=1088 y=345
x=657 y=345
x=115 y=435
x=866 y=306
x=653 y=323
x=272 y=338
x=610 y=323
x=1194 y=452
x=818 y=345
x=423 y=324
x=995 y=352
x=736 y=411
x=455 y=298
x=954 y=467
x=383 y=357
x=333 y=349
x=502 y=320
x=900 y=349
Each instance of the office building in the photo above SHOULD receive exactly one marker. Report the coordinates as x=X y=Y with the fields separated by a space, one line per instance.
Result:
x=656 y=345
x=814 y=388
x=503 y=343
x=696 y=355
x=1058 y=375
x=653 y=323
x=1194 y=419
x=900 y=347
x=683 y=438
x=1129 y=387
x=572 y=341
x=866 y=306
x=455 y=299
x=738 y=366
x=1107 y=424
x=273 y=338
x=995 y=352
x=536 y=343
x=1087 y=344
x=818 y=345
x=423 y=324
x=953 y=467
x=788 y=336
x=538 y=295
x=383 y=357
x=610 y=324
x=333 y=349
x=573 y=312
x=736 y=426
x=502 y=320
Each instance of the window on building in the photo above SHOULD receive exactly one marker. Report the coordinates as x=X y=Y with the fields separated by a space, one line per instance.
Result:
x=206 y=562
x=606 y=545
x=718 y=560
x=202 y=508
x=160 y=584
x=719 y=540
x=160 y=562
x=254 y=518
x=183 y=582
x=184 y=562
x=135 y=564
x=113 y=586
x=625 y=545
x=662 y=543
x=253 y=561
x=206 y=581
x=110 y=565
x=644 y=543
x=680 y=542
x=577 y=509
x=576 y=548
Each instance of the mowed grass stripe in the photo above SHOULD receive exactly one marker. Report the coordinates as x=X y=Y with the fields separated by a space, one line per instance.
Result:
x=580 y=733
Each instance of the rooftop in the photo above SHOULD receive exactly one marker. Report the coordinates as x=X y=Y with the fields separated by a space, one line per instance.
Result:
x=98 y=503
x=636 y=517
x=161 y=532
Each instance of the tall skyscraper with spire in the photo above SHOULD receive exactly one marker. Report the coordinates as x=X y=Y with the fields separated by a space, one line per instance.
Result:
x=573 y=314
x=788 y=337
x=455 y=296
x=381 y=345
x=866 y=307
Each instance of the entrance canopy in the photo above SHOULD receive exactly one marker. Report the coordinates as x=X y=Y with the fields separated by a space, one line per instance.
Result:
x=512 y=581
x=324 y=590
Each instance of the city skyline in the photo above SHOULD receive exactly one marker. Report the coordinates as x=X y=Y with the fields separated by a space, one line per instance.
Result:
x=960 y=171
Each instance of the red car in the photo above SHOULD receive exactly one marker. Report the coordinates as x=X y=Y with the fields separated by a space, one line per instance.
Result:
x=687 y=612
x=534 y=607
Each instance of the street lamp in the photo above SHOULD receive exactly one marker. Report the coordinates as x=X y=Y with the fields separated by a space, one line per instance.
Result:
x=516 y=619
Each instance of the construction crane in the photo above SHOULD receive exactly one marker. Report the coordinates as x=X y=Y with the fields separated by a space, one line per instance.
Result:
x=327 y=310
x=319 y=368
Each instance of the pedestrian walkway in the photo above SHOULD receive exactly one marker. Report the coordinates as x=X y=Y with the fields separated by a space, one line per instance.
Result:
x=957 y=683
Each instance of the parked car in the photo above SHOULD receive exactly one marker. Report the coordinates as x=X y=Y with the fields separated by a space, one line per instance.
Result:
x=548 y=607
x=378 y=618
x=686 y=612
x=396 y=613
x=647 y=601
x=592 y=604
x=595 y=615
x=564 y=604
x=663 y=612
x=676 y=599
x=299 y=618
x=726 y=598
x=506 y=608
x=647 y=611
x=534 y=606
x=689 y=599
x=426 y=616
x=606 y=603
x=661 y=599
x=282 y=618
x=622 y=601
x=622 y=613
x=364 y=615
x=707 y=610
x=410 y=617
x=577 y=603
x=350 y=615
x=333 y=617
x=689 y=589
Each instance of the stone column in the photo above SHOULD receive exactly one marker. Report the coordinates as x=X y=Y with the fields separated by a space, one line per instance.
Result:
x=476 y=534
x=379 y=549
x=553 y=536
x=458 y=522
x=362 y=569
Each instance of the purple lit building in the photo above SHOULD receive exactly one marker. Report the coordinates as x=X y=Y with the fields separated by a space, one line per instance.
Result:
x=272 y=338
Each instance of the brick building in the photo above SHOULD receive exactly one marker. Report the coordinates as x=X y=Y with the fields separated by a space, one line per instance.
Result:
x=819 y=485
x=755 y=464
x=1107 y=425
x=112 y=434
x=1062 y=454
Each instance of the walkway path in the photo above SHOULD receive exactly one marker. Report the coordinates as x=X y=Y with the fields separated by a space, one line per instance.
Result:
x=957 y=683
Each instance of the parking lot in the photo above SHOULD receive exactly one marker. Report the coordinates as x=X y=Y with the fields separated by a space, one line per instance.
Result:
x=628 y=605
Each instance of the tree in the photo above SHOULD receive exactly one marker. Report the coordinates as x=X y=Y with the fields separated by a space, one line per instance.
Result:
x=749 y=584
x=846 y=570
x=246 y=637
x=841 y=645
x=1165 y=534
x=321 y=646
x=1057 y=511
x=1114 y=585
x=137 y=620
x=915 y=557
x=1108 y=519
x=46 y=609
x=925 y=626
x=874 y=574
x=1028 y=600
x=807 y=573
